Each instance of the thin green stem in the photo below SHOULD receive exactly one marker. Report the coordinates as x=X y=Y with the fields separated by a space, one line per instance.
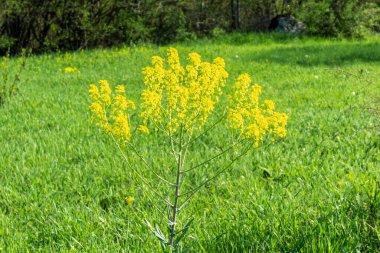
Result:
x=207 y=129
x=147 y=164
x=212 y=158
x=141 y=177
x=192 y=192
x=177 y=191
x=187 y=147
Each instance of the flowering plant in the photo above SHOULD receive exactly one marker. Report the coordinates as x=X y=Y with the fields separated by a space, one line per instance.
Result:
x=177 y=103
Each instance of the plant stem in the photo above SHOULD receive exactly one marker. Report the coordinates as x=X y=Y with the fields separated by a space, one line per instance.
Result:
x=176 y=195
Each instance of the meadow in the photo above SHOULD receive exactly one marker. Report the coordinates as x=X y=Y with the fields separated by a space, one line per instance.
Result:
x=64 y=184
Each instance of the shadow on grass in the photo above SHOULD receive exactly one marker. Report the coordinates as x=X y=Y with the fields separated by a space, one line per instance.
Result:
x=333 y=55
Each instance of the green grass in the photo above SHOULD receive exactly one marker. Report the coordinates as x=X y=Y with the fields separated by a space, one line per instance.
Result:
x=64 y=183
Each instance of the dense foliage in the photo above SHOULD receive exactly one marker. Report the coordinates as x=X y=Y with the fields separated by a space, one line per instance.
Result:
x=51 y=25
x=340 y=17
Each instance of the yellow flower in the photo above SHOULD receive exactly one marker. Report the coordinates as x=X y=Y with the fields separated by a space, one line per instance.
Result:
x=110 y=111
x=120 y=89
x=173 y=58
x=129 y=200
x=98 y=110
x=94 y=92
x=71 y=70
x=195 y=59
x=252 y=120
x=235 y=118
x=143 y=129
x=269 y=105
x=157 y=61
x=181 y=96
x=105 y=91
x=219 y=61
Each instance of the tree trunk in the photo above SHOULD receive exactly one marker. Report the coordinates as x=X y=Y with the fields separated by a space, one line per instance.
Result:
x=233 y=15
x=238 y=14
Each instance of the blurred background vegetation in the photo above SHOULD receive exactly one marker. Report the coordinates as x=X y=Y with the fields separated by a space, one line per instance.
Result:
x=46 y=25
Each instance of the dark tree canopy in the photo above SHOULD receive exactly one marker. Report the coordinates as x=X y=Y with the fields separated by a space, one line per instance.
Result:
x=54 y=24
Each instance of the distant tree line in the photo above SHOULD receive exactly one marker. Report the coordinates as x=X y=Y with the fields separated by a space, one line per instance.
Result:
x=44 y=25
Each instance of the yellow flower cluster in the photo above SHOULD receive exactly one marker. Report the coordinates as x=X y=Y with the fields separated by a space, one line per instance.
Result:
x=177 y=96
x=110 y=110
x=252 y=119
x=184 y=97
x=71 y=70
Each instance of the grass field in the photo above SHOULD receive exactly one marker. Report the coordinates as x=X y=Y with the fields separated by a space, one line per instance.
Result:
x=64 y=183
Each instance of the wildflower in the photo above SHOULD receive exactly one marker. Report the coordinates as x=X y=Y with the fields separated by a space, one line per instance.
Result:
x=219 y=61
x=94 y=92
x=157 y=61
x=110 y=111
x=129 y=200
x=120 y=89
x=105 y=91
x=269 y=106
x=71 y=70
x=143 y=129
x=195 y=59
x=177 y=96
x=181 y=96
x=98 y=110
x=252 y=119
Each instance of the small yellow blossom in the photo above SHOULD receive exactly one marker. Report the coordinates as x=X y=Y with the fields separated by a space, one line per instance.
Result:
x=157 y=61
x=105 y=91
x=219 y=61
x=143 y=129
x=120 y=89
x=94 y=92
x=71 y=70
x=98 y=110
x=130 y=200
x=195 y=59
x=269 y=106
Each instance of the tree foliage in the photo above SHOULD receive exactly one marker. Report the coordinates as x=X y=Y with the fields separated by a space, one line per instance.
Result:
x=49 y=25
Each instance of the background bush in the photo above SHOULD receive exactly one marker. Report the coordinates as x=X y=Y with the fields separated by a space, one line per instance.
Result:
x=43 y=25
x=340 y=17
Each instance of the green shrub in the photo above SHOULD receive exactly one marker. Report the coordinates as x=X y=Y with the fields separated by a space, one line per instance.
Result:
x=69 y=25
x=368 y=21
x=346 y=18
x=6 y=42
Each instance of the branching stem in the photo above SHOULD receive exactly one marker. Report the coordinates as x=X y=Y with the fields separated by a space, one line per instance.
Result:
x=192 y=192
x=177 y=188
x=147 y=164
